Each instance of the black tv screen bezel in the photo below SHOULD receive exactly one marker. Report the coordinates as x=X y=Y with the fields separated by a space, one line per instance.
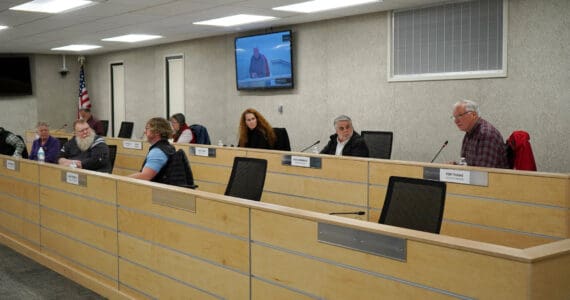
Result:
x=23 y=61
x=265 y=88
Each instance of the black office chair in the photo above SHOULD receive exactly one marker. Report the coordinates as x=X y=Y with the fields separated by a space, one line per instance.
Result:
x=414 y=203
x=112 y=155
x=282 y=141
x=126 y=130
x=62 y=141
x=105 y=124
x=247 y=178
x=379 y=143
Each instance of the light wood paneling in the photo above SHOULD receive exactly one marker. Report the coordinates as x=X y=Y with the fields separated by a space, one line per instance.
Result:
x=192 y=271
x=20 y=189
x=87 y=209
x=261 y=290
x=26 y=232
x=29 y=211
x=544 y=284
x=210 y=246
x=155 y=285
x=27 y=171
x=129 y=162
x=224 y=156
x=102 y=238
x=99 y=187
x=380 y=172
x=344 y=192
x=211 y=173
x=216 y=188
x=97 y=263
x=219 y=216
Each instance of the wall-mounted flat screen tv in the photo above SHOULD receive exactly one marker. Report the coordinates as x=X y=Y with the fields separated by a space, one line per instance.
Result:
x=264 y=61
x=15 y=78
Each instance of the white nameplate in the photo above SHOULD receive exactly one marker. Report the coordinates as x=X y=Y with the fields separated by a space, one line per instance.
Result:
x=201 y=151
x=457 y=176
x=132 y=145
x=10 y=165
x=301 y=161
x=72 y=178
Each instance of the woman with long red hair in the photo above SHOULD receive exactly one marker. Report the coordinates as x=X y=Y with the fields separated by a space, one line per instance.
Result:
x=255 y=131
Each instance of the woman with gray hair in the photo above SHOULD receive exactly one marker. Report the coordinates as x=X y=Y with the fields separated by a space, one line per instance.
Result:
x=48 y=143
x=345 y=141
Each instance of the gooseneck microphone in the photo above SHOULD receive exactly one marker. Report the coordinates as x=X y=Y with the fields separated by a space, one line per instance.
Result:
x=438 y=152
x=62 y=127
x=360 y=213
x=314 y=144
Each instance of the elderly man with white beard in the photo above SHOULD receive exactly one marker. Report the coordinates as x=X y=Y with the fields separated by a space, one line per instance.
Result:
x=85 y=150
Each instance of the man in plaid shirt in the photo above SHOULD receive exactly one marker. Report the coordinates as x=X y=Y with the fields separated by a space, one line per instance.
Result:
x=483 y=145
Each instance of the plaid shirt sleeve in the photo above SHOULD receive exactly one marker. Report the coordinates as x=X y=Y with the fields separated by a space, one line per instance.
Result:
x=485 y=147
x=17 y=143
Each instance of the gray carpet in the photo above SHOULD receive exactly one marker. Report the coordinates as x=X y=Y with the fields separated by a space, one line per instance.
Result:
x=23 y=278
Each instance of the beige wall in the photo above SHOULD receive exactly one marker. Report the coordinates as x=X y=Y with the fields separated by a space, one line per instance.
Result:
x=341 y=67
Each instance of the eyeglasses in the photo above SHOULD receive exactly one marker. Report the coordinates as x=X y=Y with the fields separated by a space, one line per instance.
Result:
x=83 y=130
x=459 y=115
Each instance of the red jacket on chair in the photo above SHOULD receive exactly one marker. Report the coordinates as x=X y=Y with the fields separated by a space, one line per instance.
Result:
x=522 y=157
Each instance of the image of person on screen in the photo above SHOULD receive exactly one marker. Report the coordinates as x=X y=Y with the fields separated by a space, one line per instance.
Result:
x=345 y=141
x=258 y=65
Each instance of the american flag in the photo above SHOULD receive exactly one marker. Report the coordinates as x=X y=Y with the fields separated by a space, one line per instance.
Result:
x=83 y=96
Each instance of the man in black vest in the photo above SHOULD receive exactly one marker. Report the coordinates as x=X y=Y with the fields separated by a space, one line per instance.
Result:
x=11 y=144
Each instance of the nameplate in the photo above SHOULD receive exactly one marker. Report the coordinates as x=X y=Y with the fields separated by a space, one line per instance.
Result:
x=302 y=161
x=469 y=177
x=369 y=242
x=12 y=165
x=132 y=145
x=74 y=178
x=174 y=199
x=203 y=151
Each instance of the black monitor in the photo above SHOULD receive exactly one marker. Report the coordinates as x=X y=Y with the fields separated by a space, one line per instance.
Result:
x=414 y=203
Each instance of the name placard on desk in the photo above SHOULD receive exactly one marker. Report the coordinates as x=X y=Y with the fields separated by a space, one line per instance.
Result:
x=74 y=178
x=203 y=151
x=302 y=161
x=12 y=165
x=132 y=145
x=457 y=176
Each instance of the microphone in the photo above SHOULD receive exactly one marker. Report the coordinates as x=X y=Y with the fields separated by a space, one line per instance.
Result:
x=360 y=213
x=438 y=152
x=314 y=144
x=62 y=127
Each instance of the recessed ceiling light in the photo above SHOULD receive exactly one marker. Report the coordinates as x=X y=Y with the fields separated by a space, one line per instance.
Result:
x=3 y=27
x=52 y=6
x=76 y=48
x=235 y=20
x=132 y=38
x=321 y=5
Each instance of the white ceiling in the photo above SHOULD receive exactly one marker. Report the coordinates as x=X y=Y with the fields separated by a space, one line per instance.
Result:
x=38 y=32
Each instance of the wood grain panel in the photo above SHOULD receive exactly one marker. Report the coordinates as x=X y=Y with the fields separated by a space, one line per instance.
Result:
x=493 y=236
x=261 y=290
x=344 y=192
x=330 y=281
x=546 y=286
x=216 y=188
x=436 y=266
x=27 y=171
x=224 y=156
x=26 y=232
x=212 y=214
x=535 y=219
x=123 y=172
x=155 y=285
x=377 y=196
x=312 y=205
x=333 y=167
x=102 y=238
x=211 y=173
x=20 y=189
x=91 y=210
x=89 y=257
x=99 y=187
x=129 y=162
x=213 y=247
x=195 y=272
x=380 y=172
x=26 y=210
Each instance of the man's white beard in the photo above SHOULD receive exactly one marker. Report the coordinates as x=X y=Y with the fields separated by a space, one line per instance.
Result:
x=85 y=143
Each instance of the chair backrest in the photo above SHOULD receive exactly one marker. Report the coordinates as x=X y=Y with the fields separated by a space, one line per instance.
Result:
x=105 y=124
x=62 y=141
x=379 y=143
x=247 y=178
x=201 y=135
x=126 y=130
x=112 y=155
x=414 y=203
x=282 y=142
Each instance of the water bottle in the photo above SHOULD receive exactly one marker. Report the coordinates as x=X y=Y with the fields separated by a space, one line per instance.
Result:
x=220 y=143
x=41 y=155
x=462 y=161
x=73 y=165
x=315 y=149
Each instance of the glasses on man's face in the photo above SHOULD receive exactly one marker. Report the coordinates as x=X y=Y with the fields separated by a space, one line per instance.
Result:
x=459 y=115
x=84 y=130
